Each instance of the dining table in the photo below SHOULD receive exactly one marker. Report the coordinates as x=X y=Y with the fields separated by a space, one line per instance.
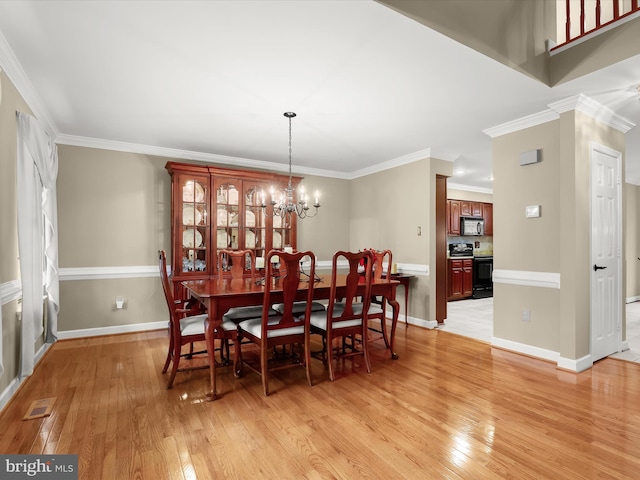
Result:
x=218 y=295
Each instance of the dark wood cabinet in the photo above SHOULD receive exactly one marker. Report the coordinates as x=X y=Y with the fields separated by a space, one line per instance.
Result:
x=487 y=214
x=215 y=208
x=460 y=284
x=453 y=217
x=463 y=208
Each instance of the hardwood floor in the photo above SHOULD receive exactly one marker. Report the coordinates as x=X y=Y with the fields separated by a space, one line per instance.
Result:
x=450 y=408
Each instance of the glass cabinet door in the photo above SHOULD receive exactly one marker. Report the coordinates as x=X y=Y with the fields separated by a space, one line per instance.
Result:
x=255 y=236
x=193 y=218
x=228 y=214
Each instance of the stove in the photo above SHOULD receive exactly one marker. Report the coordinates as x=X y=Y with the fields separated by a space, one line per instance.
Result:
x=483 y=277
x=457 y=250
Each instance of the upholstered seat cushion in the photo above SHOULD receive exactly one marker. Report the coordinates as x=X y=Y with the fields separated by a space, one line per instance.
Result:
x=192 y=325
x=254 y=327
x=238 y=314
x=195 y=325
x=299 y=307
x=319 y=320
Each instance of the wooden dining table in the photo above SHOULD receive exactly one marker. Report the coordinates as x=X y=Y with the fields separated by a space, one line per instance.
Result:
x=218 y=295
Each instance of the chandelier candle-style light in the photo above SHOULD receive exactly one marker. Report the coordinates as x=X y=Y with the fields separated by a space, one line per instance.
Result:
x=285 y=206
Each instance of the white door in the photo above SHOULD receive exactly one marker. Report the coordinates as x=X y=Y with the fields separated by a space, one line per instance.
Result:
x=606 y=266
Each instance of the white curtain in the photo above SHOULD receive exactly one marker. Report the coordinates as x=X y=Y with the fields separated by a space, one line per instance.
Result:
x=37 y=235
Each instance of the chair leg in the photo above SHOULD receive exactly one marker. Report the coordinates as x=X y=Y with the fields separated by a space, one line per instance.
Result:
x=264 y=367
x=332 y=376
x=383 y=327
x=307 y=361
x=176 y=361
x=365 y=350
x=237 y=357
x=169 y=353
x=226 y=347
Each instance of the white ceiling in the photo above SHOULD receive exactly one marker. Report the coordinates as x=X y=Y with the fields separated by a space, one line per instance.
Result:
x=211 y=80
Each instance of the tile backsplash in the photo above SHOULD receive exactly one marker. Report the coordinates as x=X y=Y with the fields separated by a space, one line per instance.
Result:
x=481 y=245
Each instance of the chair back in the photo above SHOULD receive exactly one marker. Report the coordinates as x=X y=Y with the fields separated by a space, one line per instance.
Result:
x=166 y=285
x=354 y=279
x=236 y=264
x=286 y=283
x=382 y=261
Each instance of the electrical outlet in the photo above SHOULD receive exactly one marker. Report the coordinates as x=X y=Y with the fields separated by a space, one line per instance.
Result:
x=119 y=302
x=419 y=231
x=526 y=315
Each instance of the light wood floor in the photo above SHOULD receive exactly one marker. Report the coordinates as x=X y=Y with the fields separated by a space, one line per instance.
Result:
x=449 y=408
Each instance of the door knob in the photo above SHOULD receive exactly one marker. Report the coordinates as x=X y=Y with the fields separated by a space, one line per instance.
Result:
x=598 y=267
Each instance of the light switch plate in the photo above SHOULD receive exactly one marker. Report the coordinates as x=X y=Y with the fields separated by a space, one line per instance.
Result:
x=533 y=211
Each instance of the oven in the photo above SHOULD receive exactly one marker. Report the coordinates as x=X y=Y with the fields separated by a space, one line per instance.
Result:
x=482 y=277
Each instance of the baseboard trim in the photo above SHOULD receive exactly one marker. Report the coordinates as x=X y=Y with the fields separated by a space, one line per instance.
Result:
x=525 y=349
x=96 y=332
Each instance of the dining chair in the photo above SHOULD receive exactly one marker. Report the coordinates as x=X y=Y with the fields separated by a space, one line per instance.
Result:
x=286 y=328
x=300 y=307
x=186 y=326
x=237 y=265
x=347 y=318
x=382 y=261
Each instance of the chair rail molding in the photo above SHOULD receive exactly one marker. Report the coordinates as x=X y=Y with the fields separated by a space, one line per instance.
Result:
x=529 y=279
x=141 y=271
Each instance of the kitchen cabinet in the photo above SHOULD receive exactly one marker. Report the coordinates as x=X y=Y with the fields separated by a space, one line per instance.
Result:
x=453 y=217
x=215 y=208
x=463 y=208
x=460 y=280
x=487 y=214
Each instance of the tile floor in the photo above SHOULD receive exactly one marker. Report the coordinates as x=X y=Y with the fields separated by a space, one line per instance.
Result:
x=474 y=318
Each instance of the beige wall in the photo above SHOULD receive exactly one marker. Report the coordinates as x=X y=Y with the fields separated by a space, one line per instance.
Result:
x=114 y=207
x=455 y=194
x=527 y=244
x=386 y=210
x=632 y=203
x=557 y=242
x=114 y=210
x=328 y=231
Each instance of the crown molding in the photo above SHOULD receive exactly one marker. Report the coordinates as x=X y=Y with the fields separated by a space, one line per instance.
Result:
x=588 y=106
x=389 y=164
x=89 y=142
x=11 y=66
x=580 y=103
x=522 y=123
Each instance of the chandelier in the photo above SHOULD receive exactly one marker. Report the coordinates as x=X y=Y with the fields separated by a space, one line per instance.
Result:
x=284 y=206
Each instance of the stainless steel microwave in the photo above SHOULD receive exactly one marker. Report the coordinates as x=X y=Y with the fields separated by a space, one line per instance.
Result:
x=471 y=226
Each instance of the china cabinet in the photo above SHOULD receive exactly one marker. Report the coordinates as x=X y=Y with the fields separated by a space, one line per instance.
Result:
x=216 y=208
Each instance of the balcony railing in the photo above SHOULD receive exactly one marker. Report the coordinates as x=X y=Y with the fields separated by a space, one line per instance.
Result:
x=584 y=17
